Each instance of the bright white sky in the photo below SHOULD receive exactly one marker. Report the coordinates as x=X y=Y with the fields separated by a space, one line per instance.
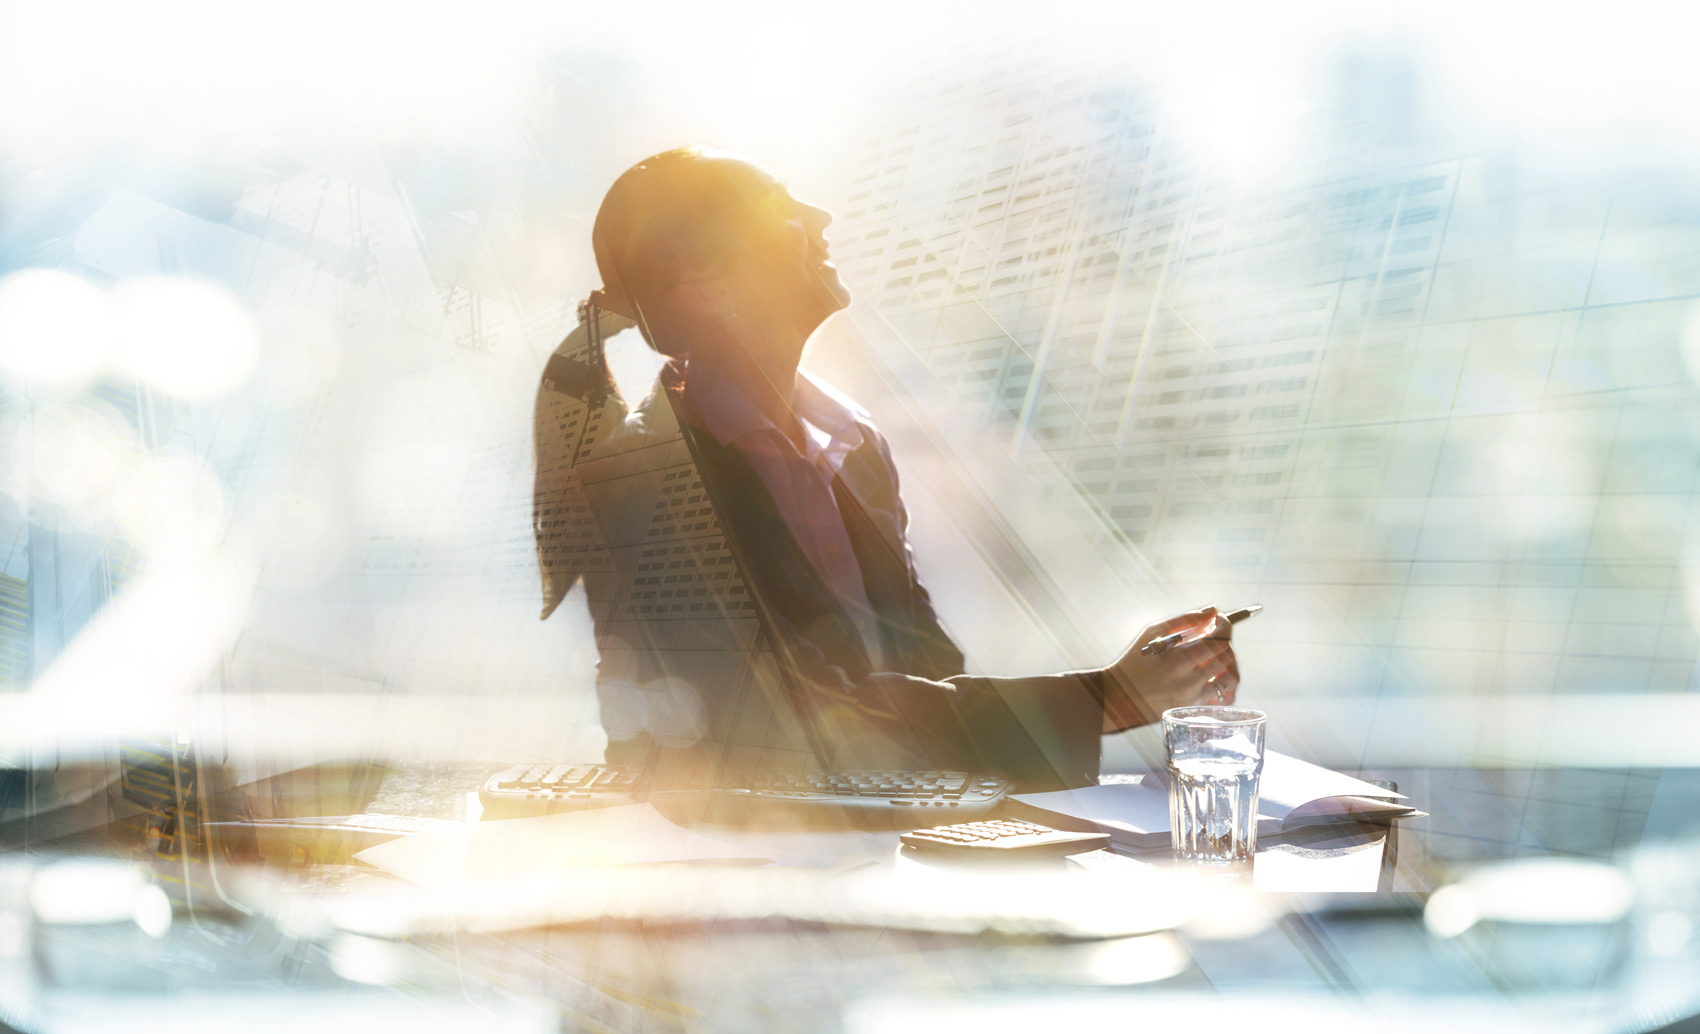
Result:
x=781 y=79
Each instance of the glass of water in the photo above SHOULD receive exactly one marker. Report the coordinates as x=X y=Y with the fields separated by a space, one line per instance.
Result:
x=1215 y=761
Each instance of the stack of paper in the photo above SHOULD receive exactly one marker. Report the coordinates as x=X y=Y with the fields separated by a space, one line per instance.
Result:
x=1292 y=793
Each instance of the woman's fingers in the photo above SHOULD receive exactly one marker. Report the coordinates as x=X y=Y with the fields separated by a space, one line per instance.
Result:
x=1205 y=616
x=1219 y=628
x=1228 y=683
x=1210 y=656
x=1220 y=690
x=1216 y=630
x=1201 y=668
x=1206 y=668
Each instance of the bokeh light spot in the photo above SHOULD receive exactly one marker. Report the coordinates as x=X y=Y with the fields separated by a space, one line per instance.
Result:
x=70 y=455
x=55 y=329
x=185 y=337
x=173 y=504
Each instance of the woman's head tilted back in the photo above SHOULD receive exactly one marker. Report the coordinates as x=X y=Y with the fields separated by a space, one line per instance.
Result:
x=697 y=244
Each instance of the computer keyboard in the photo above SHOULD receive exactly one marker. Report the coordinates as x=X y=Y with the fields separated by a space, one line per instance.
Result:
x=877 y=790
x=895 y=797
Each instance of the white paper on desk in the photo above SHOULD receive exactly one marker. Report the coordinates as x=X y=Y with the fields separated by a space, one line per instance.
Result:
x=1342 y=868
x=1132 y=813
x=1291 y=792
x=519 y=850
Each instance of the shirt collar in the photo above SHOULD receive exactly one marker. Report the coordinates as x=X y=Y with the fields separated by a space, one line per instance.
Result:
x=830 y=420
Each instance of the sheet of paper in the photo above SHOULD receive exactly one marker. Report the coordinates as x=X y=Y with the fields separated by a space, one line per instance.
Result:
x=1137 y=812
x=1130 y=812
x=1288 y=784
x=515 y=850
x=1111 y=864
x=1291 y=869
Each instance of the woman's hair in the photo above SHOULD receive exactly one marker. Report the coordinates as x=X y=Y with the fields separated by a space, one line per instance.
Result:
x=682 y=213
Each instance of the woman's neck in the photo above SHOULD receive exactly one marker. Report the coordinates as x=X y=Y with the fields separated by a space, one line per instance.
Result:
x=768 y=379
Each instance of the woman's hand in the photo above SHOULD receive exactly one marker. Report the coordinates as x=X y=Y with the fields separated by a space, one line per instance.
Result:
x=1138 y=688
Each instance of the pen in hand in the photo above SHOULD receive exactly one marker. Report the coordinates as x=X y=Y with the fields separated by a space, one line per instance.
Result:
x=1162 y=643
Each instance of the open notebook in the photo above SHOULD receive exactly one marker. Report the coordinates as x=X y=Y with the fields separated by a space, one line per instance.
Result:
x=1292 y=793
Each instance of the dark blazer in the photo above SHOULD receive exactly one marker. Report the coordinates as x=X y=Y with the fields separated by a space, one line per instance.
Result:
x=737 y=656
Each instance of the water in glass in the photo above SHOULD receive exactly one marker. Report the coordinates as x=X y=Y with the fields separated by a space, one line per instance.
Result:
x=1215 y=757
x=1213 y=809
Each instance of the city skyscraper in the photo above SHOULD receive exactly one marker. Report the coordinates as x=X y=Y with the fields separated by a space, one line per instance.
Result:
x=14 y=632
x=1355 y=381
x=1075 y=276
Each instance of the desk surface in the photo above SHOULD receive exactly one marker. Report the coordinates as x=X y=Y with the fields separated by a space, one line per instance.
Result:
x=1351 y=925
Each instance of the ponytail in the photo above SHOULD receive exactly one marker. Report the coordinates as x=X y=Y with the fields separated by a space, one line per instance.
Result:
x=600 y=384
x=578 y=368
